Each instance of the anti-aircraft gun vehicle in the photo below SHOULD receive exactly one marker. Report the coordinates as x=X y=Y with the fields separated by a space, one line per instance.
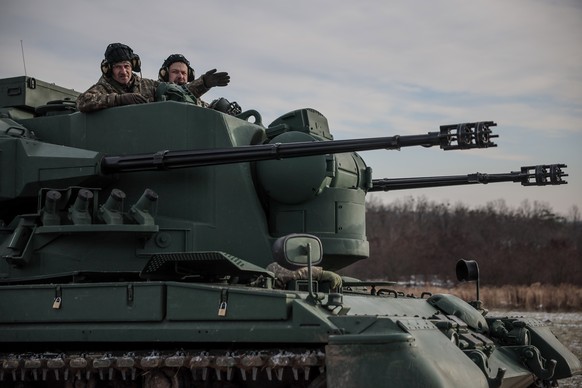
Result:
x=166 y=244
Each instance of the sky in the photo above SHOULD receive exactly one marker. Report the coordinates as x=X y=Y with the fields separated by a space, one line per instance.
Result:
x=373 y=68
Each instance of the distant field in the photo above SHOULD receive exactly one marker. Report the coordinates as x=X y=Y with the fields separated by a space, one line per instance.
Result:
x=564 y=297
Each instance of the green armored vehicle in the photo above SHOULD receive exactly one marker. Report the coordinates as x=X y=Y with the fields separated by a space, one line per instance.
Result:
x=168 y=245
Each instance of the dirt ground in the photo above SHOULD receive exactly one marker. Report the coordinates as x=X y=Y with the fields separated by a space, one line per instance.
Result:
x=567 y=327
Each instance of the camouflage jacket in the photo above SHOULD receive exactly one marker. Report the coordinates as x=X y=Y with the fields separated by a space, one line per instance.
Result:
x=102 y=94
x=284 y=275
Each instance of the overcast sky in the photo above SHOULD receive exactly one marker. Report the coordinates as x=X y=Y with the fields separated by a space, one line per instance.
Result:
x=373 y=68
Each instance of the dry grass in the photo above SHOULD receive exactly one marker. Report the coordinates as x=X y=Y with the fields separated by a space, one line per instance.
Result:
x=537 y=297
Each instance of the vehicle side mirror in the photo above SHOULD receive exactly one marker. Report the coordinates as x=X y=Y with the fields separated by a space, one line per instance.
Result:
x=298 y=250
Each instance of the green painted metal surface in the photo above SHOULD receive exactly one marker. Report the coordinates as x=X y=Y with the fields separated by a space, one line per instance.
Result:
x=137 y=240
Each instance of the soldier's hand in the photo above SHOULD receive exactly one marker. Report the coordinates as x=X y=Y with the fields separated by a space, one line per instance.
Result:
x=333 y=278
x=212 y=78
x=130 y=99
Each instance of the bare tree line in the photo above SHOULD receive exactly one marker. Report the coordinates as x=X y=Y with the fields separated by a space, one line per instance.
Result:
x=522 y=246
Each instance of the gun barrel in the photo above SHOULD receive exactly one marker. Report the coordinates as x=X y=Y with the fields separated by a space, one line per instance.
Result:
x=540 y=175
x=458 y=136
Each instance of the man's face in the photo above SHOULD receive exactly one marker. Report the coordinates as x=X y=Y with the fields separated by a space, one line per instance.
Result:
x=178 y=73
x=122 y=72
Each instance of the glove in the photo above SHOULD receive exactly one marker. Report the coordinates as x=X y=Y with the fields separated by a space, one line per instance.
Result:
x=212 y=78
x=130 y=99
x=333 y=278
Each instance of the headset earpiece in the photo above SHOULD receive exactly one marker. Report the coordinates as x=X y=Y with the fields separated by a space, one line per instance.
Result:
x=105 y=68
x=190 y=74
x=163 y=74
x=136 y=63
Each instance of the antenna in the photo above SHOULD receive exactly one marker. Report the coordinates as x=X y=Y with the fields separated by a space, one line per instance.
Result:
x=23 y=61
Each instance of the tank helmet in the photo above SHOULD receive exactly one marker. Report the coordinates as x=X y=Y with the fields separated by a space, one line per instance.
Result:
x=164 y=73
x=118 y=52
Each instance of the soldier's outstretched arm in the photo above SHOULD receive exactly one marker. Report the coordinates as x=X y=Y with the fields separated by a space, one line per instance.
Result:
x=207 y=81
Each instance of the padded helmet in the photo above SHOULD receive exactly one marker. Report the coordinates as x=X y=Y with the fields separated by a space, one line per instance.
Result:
x=164 y=73
x=118 y=52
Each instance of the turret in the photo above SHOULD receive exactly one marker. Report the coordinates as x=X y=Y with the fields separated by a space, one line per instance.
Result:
x=124 y=185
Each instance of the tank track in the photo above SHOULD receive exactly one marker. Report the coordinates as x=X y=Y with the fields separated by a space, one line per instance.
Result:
x=250 y=368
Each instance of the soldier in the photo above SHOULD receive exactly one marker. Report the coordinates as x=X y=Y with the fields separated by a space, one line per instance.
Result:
x=119 y=85
x=284 y=275
x=176 y=69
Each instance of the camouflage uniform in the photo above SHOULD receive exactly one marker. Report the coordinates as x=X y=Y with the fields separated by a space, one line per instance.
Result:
x=197 y=87
x=284 y=275
x=103 y=94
